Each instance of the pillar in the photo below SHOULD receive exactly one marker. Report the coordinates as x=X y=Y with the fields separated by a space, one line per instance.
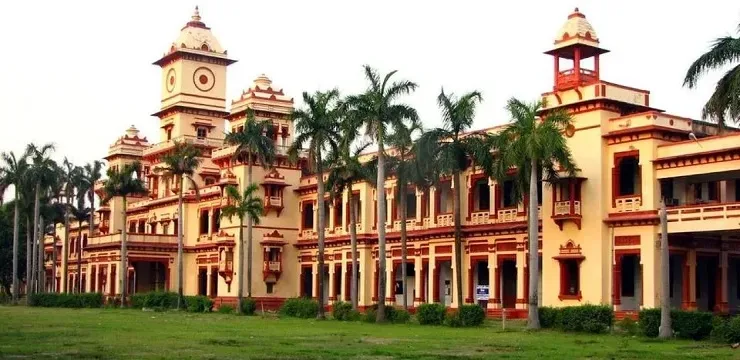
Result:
x=315 y=216
x=434 y=279
x=332 y=278
x=722 y=279
x=497 y=284
x=557 y=70
x=390 y=283
x=469 y=299
x=376 y=280
x=521 y=301
x=492 y=281
x=331 y=215
x=433 y=207
x=208 y=281
x=418 y=277
x=210 y=223
x=689 y=281
x=617 y=281
x=315 y=273
x=419 y=204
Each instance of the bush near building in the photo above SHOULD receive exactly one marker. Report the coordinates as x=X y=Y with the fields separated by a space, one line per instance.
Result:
x=431 y=314
x=584 y=318
x=695 y=325
x=249 y=306
x=300 y=308
x=86 y=300
x=342 y=311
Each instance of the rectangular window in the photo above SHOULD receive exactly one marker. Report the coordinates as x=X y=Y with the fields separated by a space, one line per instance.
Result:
x=204 y=222
x=307 y=216
x=508 y=195
x=713 y=190
x=269 y=287
x=570 y=285
x=410 y=205
x=202 y=132
x=169 y=134
x=628 y=276
x=483 y=192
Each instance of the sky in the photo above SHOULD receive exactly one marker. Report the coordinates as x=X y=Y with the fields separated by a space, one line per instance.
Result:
x=79 y=73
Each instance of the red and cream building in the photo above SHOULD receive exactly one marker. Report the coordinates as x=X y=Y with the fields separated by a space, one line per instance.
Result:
x=598 y=230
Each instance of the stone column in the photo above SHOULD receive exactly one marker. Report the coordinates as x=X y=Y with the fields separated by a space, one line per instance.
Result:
x=315 y=283
x=390 y=284
x=332 y=286
x=617 y=282
x=419 y=205
x=210 y=222
x=521 y=301
x=492 y=280
x=418 y=280
x=208 y=281
x=722 y=279
x=432 y=210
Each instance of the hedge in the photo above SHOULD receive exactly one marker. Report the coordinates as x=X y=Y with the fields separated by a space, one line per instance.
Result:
x=430 y=314
x=85 y=300
x=198 y=303
x=155 y=300
x=300 y=308
x=583 y=318
x=726 y=330
x=249 y=306
x=342 y=311
x=695 y=325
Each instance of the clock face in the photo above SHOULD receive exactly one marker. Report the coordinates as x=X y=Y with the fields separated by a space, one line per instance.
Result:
x=204 y=79
x=170 y=80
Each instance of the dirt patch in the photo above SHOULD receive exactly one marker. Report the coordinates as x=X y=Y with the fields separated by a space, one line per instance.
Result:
x=377 y=341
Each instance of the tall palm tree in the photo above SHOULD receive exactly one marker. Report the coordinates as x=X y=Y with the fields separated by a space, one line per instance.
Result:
x=403 y=165
x=42 y=174
x=532 y=143
x=26 y=205
x=13 y=173
x=317 y=126
x=92 y=173
x=124 y=183
x=377 y=109
x=80 y=212
x=70 y=178
x=247 y=205
x=254 y=144
x=56 y=213
x=725 y=101
x=180 y=165
x=346 y=169
x=449 y=149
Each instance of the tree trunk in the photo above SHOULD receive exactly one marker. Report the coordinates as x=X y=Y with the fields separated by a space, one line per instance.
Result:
x=123 y=271
x=36 y=204
x=249 y=235
x=65 y=252
x=240 y=290
x=458 y=238
x=180 y=236
x=665 y=331
x=353 y=244
x=380 y=192
x=16 y=219
x=322 y=230
x=402 y=205
x=533 y=321
x=29 y=256
x=41 y=283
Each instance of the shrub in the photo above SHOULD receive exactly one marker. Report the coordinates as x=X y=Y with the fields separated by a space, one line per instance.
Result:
x=471 y=315
x=300 y=308
x=370 y=315
x=137 y=300
x=249 y=306
x=686 y=324
x=341 y=311
x=649 y=322
x=453 y=319
x=198 y=303
x=726 y=330
x=372 y=312
x=85 y=300
x=549 y=317
x=225 y=309
x=430 y=314
x=628 y=326
x=160 y=299
x=401 y=316
x=586 y=318
x=695 y=325
x=4 y=298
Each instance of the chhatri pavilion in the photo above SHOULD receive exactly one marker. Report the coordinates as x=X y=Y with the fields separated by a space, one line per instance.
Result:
x=599 y=230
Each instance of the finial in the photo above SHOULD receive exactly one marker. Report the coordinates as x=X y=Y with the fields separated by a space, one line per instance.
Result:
x=196 y=14
x=576 y=10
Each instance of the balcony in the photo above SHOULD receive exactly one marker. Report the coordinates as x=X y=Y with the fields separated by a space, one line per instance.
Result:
x=570 y=79
x=162 y=146
x=445 y=220
x=153 y=239
x=567 y=210
x=480 y=217
x=628 y=203
x=271 y=271
x=228 y=151
x=707 y=217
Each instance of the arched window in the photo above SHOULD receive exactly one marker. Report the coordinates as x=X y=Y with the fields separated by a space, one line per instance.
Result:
x=205 y=47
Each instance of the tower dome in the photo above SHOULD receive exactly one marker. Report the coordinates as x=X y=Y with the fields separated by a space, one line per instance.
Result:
x=576 y=30
x=195 y=35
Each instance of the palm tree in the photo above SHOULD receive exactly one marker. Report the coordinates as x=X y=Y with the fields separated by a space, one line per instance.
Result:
x=535 y=146
x=124 y=183
x=180 y=165
x=247 y=205
x=42 y=174
x=70 y=178
x=80 y=212
x=403 y=165
x=92 y=173
x=377 y=109
x=254 y=144
x=725 y=101
x=345 y=171
x=317 y=126
x=449 y=149
x=13 y=173
x=26 y=204
x=56 y=213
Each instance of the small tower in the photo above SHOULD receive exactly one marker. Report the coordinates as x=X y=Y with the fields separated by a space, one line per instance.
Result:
x=576 y=41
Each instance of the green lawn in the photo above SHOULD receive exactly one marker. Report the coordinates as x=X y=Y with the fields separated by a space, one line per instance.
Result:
x=130 y=334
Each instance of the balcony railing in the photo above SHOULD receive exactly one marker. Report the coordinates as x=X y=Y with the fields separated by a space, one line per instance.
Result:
x=628 y=204
x=273 y=201
x=570 y=78
x=445 y=220
x=210 y=142
x=480 y=217
x=563 y=208
x=280 y=150
x=273 y=266
x=507 y=215
x=132 y=237
x=713 y=217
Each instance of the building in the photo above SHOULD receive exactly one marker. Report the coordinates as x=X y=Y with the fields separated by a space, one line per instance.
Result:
x=598 y=229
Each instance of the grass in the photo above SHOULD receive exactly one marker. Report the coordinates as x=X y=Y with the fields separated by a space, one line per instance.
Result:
x=125 y=334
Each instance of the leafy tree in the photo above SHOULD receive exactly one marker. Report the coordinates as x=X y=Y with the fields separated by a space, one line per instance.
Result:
x=42 y=174
x=180 y=165
x=124 y=183
x=725 y=101
x=12 y=173
x=449 y=149
x=317 y=126
x=254 y=144
x=247 y=205
x=377 y=109
x=533 y=144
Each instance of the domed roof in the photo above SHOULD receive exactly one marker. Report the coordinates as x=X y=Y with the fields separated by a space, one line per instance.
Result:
x=195 y=35
x=576 y=30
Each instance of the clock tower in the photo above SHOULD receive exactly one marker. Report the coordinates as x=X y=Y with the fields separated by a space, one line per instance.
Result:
x=193 y=96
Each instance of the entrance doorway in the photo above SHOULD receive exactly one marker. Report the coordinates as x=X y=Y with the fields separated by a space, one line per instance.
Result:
x=508 y=284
